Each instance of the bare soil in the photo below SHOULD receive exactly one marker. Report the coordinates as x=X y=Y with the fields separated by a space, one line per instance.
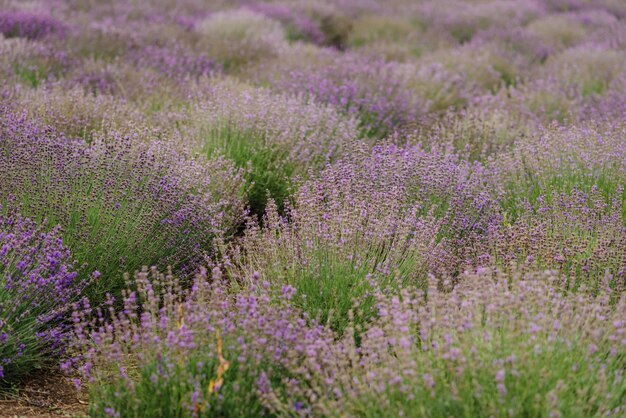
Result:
x=43 y=395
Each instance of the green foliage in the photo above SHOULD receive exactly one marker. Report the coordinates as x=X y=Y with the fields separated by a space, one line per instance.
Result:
x=179 y=389
x=535 y=187
x=31 y=75
x=338 y=286
x=269 y=171
x=561 y=389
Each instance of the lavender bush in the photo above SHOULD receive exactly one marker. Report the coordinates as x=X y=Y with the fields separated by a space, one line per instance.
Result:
x=508 y=345
x=561 y=159
x=564 y=208
x=37 y=286
x=298 y=25
x=78 y=114
x=376 y=221
x=203 y=354
x=479 y=133
x=29 y=25
x=240 y=36
x=117 y=197
x=273 y=137
x=373 y=91
x=30 y=63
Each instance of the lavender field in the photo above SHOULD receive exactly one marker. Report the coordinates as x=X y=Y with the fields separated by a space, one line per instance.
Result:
x=320 y=208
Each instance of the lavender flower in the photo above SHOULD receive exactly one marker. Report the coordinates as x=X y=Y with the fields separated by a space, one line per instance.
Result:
x=471 y=343
x=216 y=351
x=117 y=198
x=29 y=25
x=37 y=286
x=379 y=220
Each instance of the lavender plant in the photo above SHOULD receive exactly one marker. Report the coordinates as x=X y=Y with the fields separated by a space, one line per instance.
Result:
x=375 y=92
x=504 y=345
x=174 y=61
x=579 y=234
x=564 y=208
x=30 y=63
x=378 y=221
x=559 y=31
x=203 y=353
x=480 y=133
x=78 y=114
x=119 y=200
x=587 y=67
x=560 y=160
x=298 y=25
x=37 y=286
x=238 y=37
x=29 y=25
x=273 y=137
x=462 y=20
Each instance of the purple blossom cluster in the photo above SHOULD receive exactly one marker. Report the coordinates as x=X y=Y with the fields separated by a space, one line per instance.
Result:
x=485 y=340
x=23 y=24
x=299 y=26
x=194 y=340
x=374 y=91
x=37 y=286
x=309 y=132
x=76 y=114
x=384 y=207
x=174 y=62
x=118 y=192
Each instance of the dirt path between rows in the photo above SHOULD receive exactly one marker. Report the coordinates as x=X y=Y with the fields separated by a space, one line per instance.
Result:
x=45 y=395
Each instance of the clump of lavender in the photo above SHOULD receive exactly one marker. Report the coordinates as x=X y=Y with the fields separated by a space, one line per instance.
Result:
x=579 y=234
x=582 y=67
x=297 y=24
x=30 y=63
x=201 y=353
x=104 y=39
x=374 y=91
x=485 y=66
x=519 y=40
x=275 y=137
x=37 y=286
x=463 y=20
x=609 y=106
x=335 y=23
x=478 y=133
x=24 y=24
x=561 y=159
x=76 y=113
x=395 y=39
x=14 y=52
x=558 y=31
x=561 y=193
x=238 y=37
x=572 y=86
x=588 y=67
x=174 y=61
x=379 y=220
x=119 y=198
x=307 y=129
x=503 y=345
